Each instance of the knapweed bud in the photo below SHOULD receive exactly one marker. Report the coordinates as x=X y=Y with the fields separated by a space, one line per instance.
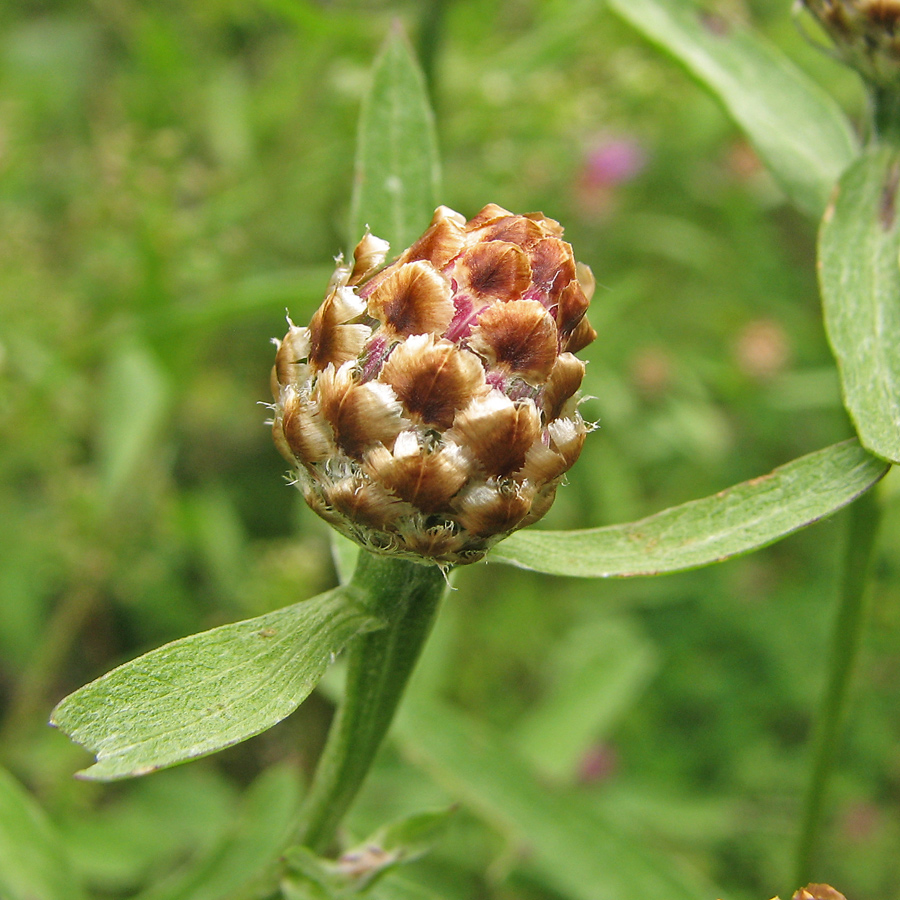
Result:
x=430 y=407
x=866 y=35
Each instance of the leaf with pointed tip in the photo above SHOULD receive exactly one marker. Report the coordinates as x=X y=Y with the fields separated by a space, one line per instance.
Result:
x=210 y=690
x=397 y=174
x=800 y=133
x=734 y=521
x=859 y=242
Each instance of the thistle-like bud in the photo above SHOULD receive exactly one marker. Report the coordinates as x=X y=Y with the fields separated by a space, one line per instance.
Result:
x=430 y=407
x=866 y=35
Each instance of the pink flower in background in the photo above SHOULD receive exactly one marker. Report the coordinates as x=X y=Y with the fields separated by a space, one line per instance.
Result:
x=613 y=161
x=608 y=163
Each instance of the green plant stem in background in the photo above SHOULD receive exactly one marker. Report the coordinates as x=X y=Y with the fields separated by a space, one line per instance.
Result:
x=405 y=596
x=846 y=639
x=885 y=113
x=431 y=32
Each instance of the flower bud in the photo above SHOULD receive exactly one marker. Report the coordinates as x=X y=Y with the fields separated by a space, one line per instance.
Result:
x=430 y=407
x=866 y=34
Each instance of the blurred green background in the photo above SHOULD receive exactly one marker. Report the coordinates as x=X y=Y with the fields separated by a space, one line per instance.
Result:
x=173 y=176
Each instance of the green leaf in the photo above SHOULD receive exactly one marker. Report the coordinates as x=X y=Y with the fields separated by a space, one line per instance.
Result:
x=33 y=865
x=199 y=694
x=397 y=174
x=734 y=521
x=799 y=131
x=254 y=841
x=570 y=846
x=859 y=244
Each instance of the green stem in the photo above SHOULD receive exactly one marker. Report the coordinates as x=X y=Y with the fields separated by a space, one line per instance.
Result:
x=885 y=113
x=431 y=31
x=405 y=595
x=845 y=644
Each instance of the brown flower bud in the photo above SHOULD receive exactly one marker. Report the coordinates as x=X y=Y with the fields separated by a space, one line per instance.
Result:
x=430 y=408
x=866 y=35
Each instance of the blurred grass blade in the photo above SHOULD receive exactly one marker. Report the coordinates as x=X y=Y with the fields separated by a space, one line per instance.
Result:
x=210 y=690
x=858 y=268
x=798 y=131
x=397 y=171
x=734 y=521
x=33 y=865
x=573 y=850
x=596 y=673
x=135 y=406
x=253 y=843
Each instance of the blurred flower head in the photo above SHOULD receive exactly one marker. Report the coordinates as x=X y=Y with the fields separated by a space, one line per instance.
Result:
x=430 y=407
x=866 y=35
x=609 y=163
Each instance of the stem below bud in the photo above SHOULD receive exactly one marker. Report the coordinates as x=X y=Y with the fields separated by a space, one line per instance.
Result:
x=405 y=596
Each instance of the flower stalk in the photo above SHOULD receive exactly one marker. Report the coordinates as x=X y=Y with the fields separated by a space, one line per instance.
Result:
x=864 y=517
x=405 y=595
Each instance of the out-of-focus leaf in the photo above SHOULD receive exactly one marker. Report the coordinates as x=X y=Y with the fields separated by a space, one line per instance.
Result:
x=33 y=865
x=255 y=841
x=392 y=845
x=397 y=165
x=357 y=870
x=207 y=691
x=568 y=844
x=859 y=244
x=734 y=521
x=596 y=673
x=150 y=828
x=396 y=887
x=135 y=404
x=800 y=133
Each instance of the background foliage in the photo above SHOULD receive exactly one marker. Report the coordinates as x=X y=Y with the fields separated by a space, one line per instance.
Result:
x=172 y=176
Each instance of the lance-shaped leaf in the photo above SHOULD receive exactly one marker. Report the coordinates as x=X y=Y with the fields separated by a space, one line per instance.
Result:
x=397 y=165
x=798 y=131
x=859 y=273
x=210 y=690
x=734 y=521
